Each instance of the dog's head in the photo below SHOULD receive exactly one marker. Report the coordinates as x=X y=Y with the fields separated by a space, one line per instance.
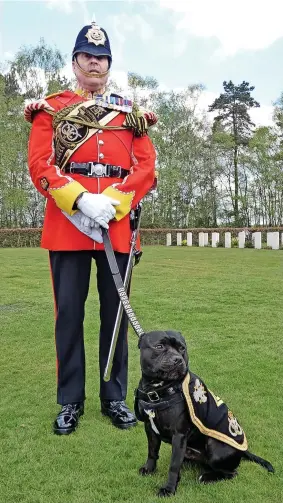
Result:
x=163 y=355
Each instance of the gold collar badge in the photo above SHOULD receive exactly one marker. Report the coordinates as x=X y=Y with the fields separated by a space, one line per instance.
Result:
x=95 y=35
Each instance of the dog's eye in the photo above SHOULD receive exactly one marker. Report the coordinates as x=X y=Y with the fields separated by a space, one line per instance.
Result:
x=159 y=346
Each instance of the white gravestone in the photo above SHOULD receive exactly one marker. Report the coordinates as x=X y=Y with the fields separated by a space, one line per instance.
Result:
x=214 y=239
x=189 y=239
x=168 y=239
x=227 y=239
x=273 y=240
x=241 y=239
x=257 y=240
x=201 y=239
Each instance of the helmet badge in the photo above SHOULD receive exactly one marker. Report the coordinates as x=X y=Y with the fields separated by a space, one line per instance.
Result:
x=95 y=35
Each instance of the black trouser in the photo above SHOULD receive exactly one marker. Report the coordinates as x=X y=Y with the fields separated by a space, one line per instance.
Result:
x=71 y=274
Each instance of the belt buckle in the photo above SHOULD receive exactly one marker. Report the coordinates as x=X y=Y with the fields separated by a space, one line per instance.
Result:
x=153 y=396
x=96 y=169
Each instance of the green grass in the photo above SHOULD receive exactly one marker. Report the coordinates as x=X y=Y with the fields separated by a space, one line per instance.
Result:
x=227 y=304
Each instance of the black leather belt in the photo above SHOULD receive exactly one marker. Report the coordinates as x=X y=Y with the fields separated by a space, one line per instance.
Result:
x=96 y=169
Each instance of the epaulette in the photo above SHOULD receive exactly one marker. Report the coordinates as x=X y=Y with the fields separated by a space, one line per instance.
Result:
x=140 y=120
x=53 y=95
x=36 y=106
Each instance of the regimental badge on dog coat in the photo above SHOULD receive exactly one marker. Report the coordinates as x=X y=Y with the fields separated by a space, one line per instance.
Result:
x=211 y=415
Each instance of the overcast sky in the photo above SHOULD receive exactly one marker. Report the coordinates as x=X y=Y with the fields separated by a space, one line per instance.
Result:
x=177 y=42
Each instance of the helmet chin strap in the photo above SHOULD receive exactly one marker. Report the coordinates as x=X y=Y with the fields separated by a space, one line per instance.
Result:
x=90 y=74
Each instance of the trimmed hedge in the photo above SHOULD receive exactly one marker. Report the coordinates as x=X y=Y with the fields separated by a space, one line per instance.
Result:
x=17 y=238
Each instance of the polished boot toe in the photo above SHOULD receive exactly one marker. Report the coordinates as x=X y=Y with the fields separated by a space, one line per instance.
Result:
x=68 y=418
x=119 y=413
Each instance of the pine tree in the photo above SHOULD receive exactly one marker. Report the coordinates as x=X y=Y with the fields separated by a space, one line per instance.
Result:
x=233 y=117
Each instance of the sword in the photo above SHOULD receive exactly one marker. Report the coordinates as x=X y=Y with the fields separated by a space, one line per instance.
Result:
x=122 y=288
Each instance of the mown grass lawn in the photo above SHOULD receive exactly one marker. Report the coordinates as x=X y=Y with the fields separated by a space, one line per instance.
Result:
x=228 y=305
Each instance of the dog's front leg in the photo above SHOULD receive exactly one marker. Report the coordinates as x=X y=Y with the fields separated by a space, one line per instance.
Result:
x=154 y=441
x=179 y=444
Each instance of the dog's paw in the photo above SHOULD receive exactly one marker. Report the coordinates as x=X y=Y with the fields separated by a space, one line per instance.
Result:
x=165 y=492
x=146 y=470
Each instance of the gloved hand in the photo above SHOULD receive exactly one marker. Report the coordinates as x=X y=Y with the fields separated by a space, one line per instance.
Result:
x=88 y=227
x=98 y=207
x=87 y=223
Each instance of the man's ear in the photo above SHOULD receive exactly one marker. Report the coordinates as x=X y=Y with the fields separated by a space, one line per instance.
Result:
x=73 y=66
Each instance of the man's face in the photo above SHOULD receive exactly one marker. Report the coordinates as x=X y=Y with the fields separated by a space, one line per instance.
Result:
x=91 y=63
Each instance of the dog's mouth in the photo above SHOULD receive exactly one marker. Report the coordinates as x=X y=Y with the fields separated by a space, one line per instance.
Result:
x=176 y=371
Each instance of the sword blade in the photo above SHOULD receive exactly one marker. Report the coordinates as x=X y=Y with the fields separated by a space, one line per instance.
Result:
x=109 y=364
x=122 y=292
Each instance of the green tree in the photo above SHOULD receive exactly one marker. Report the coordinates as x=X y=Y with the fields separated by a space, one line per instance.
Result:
x=141 y=86
x=38 y=70
x=233 y=118
x=186 y=188
x=278 y=119
x=265 y=188
x=34 y=72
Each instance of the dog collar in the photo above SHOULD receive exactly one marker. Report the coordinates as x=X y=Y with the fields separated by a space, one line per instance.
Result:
x=163 y=394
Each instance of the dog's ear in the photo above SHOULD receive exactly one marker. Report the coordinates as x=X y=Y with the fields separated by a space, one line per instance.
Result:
x=140 y=340
x=177 y=336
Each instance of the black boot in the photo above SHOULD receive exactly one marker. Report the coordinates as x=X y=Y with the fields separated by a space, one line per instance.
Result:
x=68 y=418
x=119 y=413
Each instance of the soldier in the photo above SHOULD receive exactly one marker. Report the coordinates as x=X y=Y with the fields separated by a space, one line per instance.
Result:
x=90 y=156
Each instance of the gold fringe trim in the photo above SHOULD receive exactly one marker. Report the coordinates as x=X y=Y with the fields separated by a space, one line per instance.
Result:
x=206 y=431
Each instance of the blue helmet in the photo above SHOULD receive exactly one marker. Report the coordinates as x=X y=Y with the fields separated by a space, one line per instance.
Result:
x=93 y=40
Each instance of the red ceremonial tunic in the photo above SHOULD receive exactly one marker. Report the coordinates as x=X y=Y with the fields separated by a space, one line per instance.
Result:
x=117 y=147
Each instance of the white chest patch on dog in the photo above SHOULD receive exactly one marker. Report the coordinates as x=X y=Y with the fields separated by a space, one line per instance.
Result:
x=151 y=415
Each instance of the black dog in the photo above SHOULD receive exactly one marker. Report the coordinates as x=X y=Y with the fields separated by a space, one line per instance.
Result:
x=178 y=408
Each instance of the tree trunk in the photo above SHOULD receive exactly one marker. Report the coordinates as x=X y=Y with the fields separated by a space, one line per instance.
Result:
x=236 y=182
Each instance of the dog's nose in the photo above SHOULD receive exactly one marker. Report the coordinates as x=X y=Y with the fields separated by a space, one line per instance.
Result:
x=178 y=360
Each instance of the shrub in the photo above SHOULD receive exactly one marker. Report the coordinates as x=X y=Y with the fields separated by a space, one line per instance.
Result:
x=249 y=244
x=221 y=242
x=265 y=247
x=18 y=238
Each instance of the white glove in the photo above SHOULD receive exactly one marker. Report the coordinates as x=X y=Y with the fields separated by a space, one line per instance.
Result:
x=87 y=222
x=98 y=207
x=80 y=222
